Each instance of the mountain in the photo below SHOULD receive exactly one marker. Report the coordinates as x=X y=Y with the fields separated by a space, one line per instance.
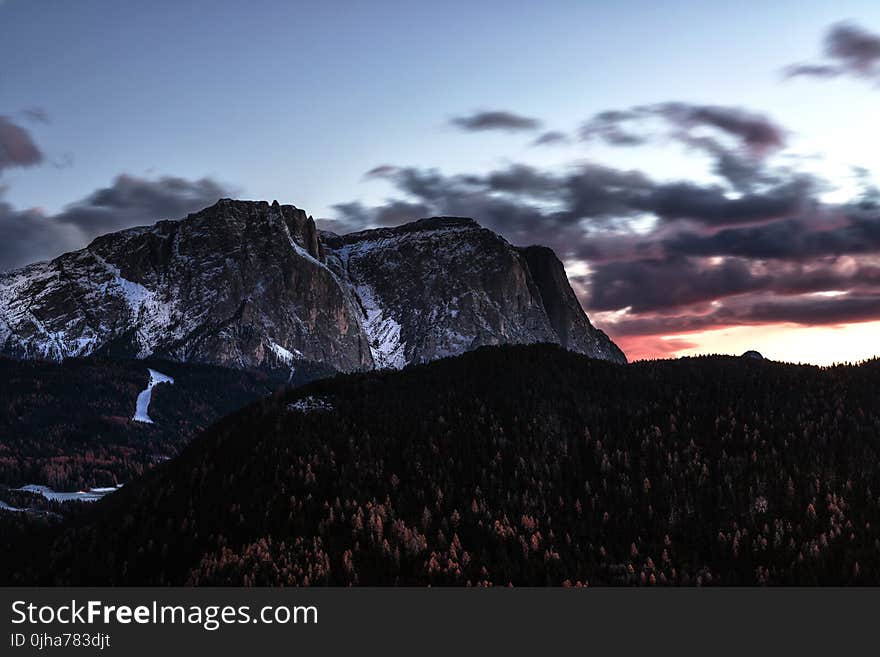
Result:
x=527 y=465
x=248 y=284
x=230 y=285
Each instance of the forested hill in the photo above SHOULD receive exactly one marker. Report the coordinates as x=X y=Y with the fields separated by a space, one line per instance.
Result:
x=69 y=425
x=522 y=465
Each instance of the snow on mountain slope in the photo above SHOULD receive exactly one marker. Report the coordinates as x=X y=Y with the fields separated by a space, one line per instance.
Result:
x=142 y=407
x=91 y=495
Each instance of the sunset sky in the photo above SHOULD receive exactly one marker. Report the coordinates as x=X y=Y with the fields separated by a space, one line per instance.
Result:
x=705 y=171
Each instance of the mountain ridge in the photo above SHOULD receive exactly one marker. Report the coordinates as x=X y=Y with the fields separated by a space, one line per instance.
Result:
x=251 y=284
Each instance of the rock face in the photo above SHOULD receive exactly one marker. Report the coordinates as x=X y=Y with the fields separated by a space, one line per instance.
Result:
x=249 y=284
x=442 y=286
x=568 y=320
x=230 y=285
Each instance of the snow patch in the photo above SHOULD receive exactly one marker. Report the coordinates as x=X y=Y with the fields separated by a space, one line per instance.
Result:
x=284 y=354
x=382 y=330
x=143 y=399
x=379 y=323
x=18 y=300
x=311 y=404
x=91 y=495
x=151 y=313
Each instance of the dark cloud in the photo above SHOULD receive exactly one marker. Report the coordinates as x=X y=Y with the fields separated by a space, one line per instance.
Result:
x=812 y=71
x=30 y=235
x=595 y=192
x=676 y=282
x=856 y=48
x=132 y=201
x=380 y=171
x=755 y=132
x=849 y=50
x=672 y=257
x=817 y=310
x=806 y=310
x=342 y=226
x=738 y=140
x=36 y=114
x=17 y=149
x=653 y=326
x=496 y=120
x=709 y=259
x=743 y=173
x=610 y=127
x=519 y=179
x=711 y=206
x=551 y=138
x=855 y=233
x=650 y=285
x=355 y=216
x=526 y=202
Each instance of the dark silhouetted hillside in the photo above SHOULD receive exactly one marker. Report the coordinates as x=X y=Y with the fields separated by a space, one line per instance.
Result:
x=69 y=425
x=522 y=465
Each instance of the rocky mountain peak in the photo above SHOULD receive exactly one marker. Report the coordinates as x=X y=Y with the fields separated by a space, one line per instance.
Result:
x=254 y=284
x=564 y=310
x=427 y=225
x=250 y=214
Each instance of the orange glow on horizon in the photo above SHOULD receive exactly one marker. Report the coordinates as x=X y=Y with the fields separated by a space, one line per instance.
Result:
x=819 y=345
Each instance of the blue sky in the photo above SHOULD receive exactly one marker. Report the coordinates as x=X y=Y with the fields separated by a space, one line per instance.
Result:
x=297 y=101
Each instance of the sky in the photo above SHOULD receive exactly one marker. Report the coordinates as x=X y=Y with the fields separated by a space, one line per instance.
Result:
x=705 y=172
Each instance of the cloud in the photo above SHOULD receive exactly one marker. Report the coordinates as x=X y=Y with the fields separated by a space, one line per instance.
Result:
x=849 y=50
x=380 y=171
x=672 y=283
x=756 y=310
x=36 y=114
x=818 y=310
x=712 y=206
x=551 y=138
x=17 y=149
x=738 y=140
x=754 y=132
x=133 y=201
x=798 y=239
x=527 y=203
x=668 y=258
x=338 y=226
x=355 y=216
x=610 y=127
x=650 y=285
x=496 y=120
x=812 y=71
x=30 y=235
